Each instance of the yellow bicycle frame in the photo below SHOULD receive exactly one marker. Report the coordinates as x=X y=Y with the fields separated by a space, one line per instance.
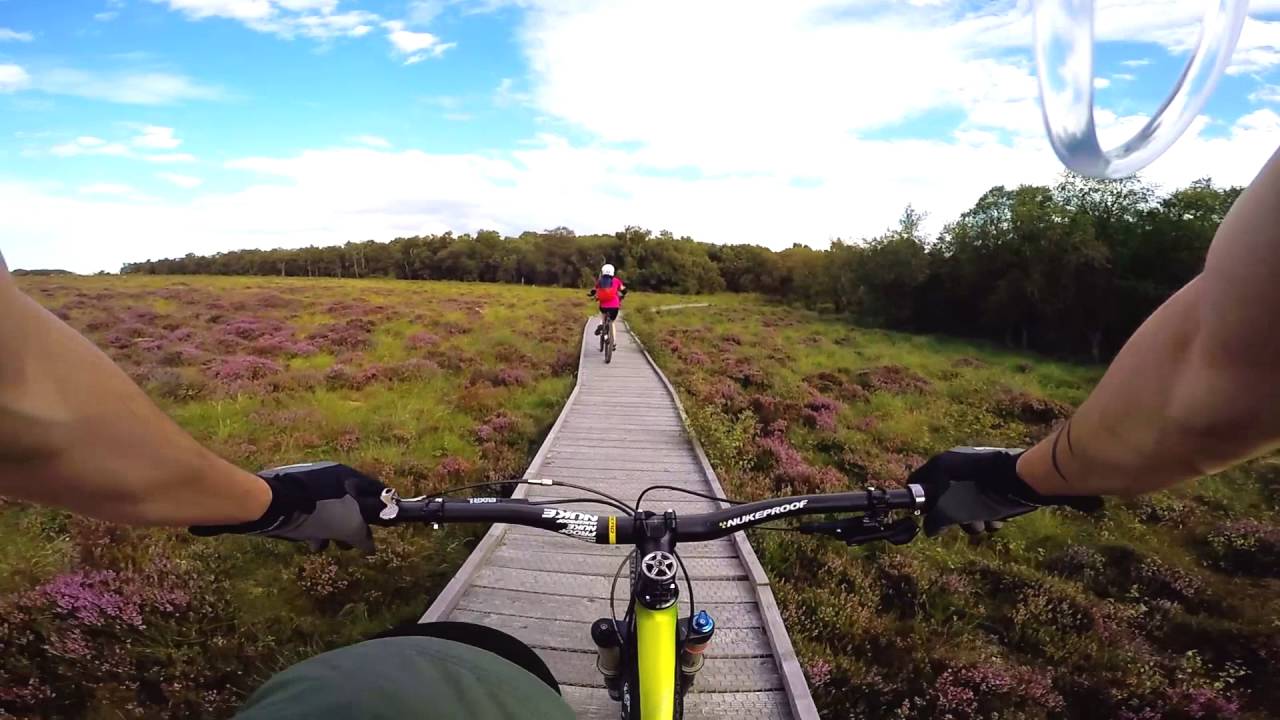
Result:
x=656 y=658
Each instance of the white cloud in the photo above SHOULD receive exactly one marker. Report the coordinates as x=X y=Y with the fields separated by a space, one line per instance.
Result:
x=106 y=189
x=323 y=20
x=1100 y=83
x=7 y=35
x=296 y=200
x=155 y=137
x=150 y=138
x=1248 y=61
x=183 y=181
x=707 y=137
x=1141 y=62
x=414 y=47
x=422 y=12
x=315 y=19
x=111 y=13
x=245 y=10
x=169 y=158
x=127 y=87
x=505 y=95
x=1267 y=94
x=1126 y=77
x=89 y=145
x=372 y=141
x=324 y=6
x=13 y=78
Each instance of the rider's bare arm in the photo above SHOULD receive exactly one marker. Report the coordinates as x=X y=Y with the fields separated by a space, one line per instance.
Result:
x=77 y=433
x=1197 y=387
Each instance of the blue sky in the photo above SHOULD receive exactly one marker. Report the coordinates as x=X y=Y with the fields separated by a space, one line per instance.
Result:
x=141 y=128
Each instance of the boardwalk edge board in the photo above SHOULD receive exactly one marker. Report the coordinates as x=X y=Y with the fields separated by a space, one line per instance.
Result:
x=448 y=598
x=789 y=681
x=797 y=689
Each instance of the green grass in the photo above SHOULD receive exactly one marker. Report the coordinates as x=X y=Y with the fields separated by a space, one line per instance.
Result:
x=1000 y=626
x=248 y=607
x=1058 y=615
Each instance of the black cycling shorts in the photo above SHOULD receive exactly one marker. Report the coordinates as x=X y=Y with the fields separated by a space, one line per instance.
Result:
x=611 y=312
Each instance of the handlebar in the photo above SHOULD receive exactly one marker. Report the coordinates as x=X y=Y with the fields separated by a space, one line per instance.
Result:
x=627 y=530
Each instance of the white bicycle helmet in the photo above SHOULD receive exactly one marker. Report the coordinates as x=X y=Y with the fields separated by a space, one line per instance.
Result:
x=607 y=269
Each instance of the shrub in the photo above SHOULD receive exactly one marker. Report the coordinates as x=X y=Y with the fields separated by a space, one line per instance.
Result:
x=420 y=340
x=348 y=441
x=412 y=369
x=340 y=376
x=352 y=334
x=174 y=384
x=820 y=413
x=726 y=440
x=1077 y=562
x=564 y=363
x=453 y=468
x=1246 y=546
x=1030 y=409
x=243 y=368
x=181 y=355
x=1160 y=509
x=993 y=688
x=500 y=427
x=509 y=377
x=320 y=577
x=892 y=379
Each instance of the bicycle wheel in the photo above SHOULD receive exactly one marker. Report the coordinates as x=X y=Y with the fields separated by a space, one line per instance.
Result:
x=608 y=343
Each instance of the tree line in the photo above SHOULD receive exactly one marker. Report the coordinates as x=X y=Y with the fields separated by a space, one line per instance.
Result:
x=1070 y=269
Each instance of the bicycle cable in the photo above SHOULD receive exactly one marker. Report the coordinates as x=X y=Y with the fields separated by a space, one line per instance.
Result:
x=597 y=501
x=688 y=582
x=617 y=503
x=687 y=491
x=613 y=608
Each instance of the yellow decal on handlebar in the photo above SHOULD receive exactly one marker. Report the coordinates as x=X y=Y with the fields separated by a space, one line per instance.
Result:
x=613 y=530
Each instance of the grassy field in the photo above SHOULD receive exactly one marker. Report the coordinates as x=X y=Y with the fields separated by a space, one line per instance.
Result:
x=1165 y=607
x=425 y=385
x=1162 y=607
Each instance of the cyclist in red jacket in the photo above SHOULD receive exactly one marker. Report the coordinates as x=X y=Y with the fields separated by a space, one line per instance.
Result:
x=608 y=292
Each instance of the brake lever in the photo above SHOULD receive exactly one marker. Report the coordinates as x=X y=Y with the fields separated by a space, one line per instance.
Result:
x=865 y=529
x=391 y=504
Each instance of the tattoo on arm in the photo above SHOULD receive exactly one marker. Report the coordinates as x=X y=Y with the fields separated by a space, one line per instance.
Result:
x=1064 y=430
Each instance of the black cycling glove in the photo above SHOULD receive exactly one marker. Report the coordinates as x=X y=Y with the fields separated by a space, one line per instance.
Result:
x=314 y=503
x=977 y=488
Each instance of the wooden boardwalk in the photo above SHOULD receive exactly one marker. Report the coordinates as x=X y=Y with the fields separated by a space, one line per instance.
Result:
x=546 y=589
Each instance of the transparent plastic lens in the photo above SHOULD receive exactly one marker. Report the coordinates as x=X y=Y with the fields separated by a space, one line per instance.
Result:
x=1064 y=59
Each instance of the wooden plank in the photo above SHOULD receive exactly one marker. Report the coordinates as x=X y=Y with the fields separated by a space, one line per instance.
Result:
x=574 y=608
x=611 y=465
x=717 y=675
x=619 y=445
x=627 y=487
x=590 y=703
x=699 y=568
x=546 y=588
x=657 y=501
x=550 y=583
x=576 y=636
x=632 y=478
x=541 y=541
